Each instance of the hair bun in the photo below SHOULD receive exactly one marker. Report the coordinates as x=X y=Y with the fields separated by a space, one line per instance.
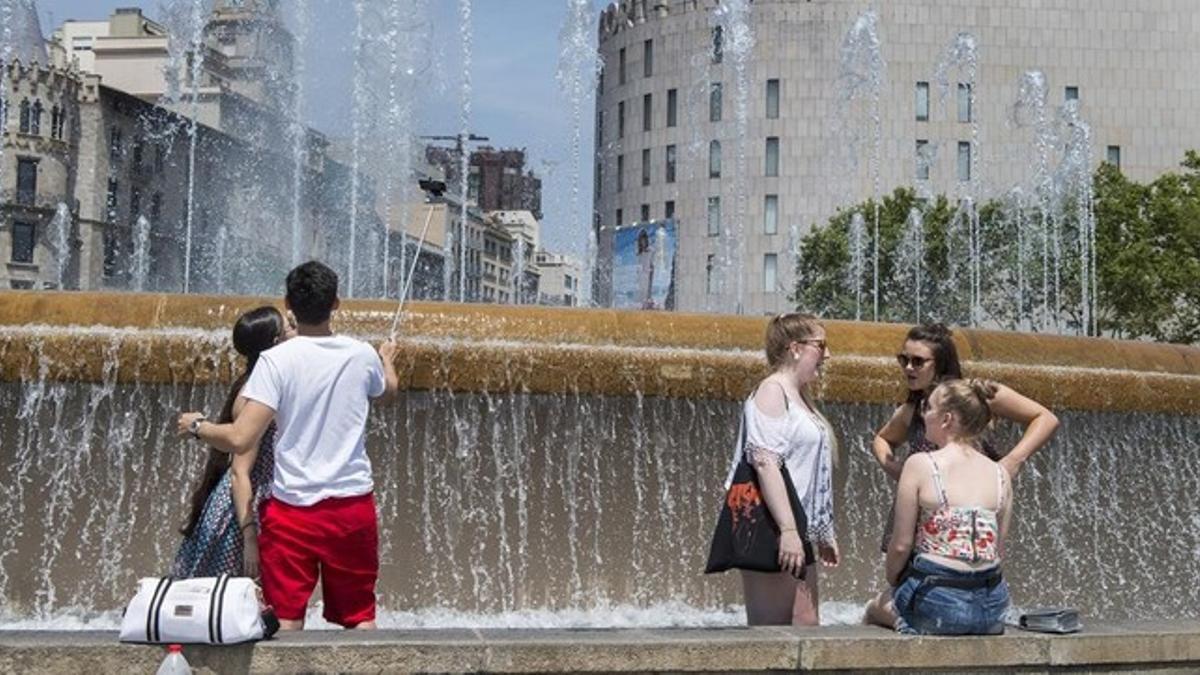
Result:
x=984 y=389
x=939 y=329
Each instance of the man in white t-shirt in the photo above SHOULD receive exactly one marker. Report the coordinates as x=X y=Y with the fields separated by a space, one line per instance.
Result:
x=320 y=520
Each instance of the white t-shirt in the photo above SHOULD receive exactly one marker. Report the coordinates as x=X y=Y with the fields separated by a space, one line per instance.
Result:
x=319 y=388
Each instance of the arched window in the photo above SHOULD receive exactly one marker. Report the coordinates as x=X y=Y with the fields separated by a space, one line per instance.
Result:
x=54 y=122
x=62 y=123
x=35 y=127
x=714 y=159
x=25 y=114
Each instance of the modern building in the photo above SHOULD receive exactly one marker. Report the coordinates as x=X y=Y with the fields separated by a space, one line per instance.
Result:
x=560 y=278
x=672 y=139
x=498 y=179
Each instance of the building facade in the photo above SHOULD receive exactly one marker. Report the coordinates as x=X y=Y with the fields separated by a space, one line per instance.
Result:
x=672 y=139
x=106 y=181
x=560 y=275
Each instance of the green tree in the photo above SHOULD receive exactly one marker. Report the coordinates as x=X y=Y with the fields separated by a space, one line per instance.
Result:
x=1147 y=249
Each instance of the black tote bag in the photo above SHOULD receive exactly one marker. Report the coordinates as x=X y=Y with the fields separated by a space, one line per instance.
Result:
x=746 y=536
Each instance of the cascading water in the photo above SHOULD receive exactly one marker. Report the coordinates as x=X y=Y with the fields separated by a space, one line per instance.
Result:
x=912 y=260
x=299 y=132
x=862 y=74
x=560 y=509
x=1030 y=111
x=461 y=238
x=61 y=226
x=858 y=259
x=578 y=66
x=185 y=21
x=141 y=253
x=733 y=17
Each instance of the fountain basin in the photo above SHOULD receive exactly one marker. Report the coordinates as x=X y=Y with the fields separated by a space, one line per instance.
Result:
x=1172 y=647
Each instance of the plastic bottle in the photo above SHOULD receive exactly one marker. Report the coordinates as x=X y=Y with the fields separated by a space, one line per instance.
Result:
x=174 y=664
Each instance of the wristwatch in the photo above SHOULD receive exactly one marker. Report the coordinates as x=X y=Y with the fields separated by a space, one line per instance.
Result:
x=194 y=427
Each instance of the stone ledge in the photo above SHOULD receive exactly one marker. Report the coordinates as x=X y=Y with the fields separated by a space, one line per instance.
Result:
x=1115 y=647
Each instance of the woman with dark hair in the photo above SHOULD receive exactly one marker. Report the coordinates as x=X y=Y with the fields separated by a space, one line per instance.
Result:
x=928 y=358
x=782 y=427
x=221 y=533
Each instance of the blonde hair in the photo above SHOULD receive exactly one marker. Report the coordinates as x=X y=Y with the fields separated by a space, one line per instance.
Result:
x=782 y=331
x=785 y=329
x=969 y=402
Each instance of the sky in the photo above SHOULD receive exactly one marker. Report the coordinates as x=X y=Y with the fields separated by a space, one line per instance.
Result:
x=516 y=100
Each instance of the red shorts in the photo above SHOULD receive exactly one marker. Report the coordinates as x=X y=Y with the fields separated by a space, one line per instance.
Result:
x=336 y=539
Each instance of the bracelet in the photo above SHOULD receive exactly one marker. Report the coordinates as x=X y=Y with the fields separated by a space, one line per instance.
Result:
x=787 y=529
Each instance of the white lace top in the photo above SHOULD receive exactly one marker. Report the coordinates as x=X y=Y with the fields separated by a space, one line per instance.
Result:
x=799 y=439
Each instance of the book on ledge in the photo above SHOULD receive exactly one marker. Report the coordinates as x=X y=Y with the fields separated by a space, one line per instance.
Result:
x=1051 y=620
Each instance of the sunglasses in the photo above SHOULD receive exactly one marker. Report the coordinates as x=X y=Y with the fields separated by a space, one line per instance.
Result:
x=820 y=344
x=917 y=362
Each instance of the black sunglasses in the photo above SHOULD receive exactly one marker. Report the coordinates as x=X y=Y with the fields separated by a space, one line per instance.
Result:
x=917 y=362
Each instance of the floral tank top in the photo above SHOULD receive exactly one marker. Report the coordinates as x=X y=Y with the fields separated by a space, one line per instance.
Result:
x=967 y=533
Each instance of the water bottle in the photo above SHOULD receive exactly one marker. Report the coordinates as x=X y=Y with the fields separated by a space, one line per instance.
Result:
x=174 y=664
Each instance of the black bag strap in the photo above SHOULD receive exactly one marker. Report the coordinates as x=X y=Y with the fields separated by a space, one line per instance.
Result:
x=216 y=606
x=155 y=610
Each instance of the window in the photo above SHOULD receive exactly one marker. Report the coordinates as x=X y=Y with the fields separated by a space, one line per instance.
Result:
x=645 y=166
x=714 y=159
x=137 y=154
x=1071 y=94
x=672 y=107
x=620 y=172
x=922 y=158
x=669 y=209
x=110 y=202
x=772 y=99
x=771 y=214
x=621 y=119
x=648 y=58
x=714 y=102
x=964 y=161
x=35 y=120
x=714 y=216
x=770 y=273
x=1113 y=155
x=155 y=207
x=964 y=102
x=26 y=112
x=599 y=128
x=772 y=163
x=620 y=217
x=647 y=107
x=599 y=186
x=621 y=66
x=27 y=181
x=135 y=203
x=718 y=44
x=20 y=284
x=645 y=213
x=22 y=242
x=114 y=145
x=600 y=80
x=111 y=253
x=160 y=159
x=670 y=173
x=709 y=286
x=54 y=130
x=922 y=101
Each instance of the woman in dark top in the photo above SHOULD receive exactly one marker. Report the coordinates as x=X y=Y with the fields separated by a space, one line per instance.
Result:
x=927 y=358
x=221 y=533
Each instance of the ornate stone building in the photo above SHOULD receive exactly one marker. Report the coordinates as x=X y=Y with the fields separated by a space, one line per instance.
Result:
x=119 y=178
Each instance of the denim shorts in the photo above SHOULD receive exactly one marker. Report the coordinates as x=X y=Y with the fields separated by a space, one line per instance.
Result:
x=929 y=609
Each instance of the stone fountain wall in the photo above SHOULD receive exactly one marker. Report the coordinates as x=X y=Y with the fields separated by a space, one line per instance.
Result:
x=564 y=460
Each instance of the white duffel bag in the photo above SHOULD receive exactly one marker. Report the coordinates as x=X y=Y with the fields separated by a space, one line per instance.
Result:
x=205 y=610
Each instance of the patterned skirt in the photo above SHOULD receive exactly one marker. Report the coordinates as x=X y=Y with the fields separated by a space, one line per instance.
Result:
x=215 y=546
